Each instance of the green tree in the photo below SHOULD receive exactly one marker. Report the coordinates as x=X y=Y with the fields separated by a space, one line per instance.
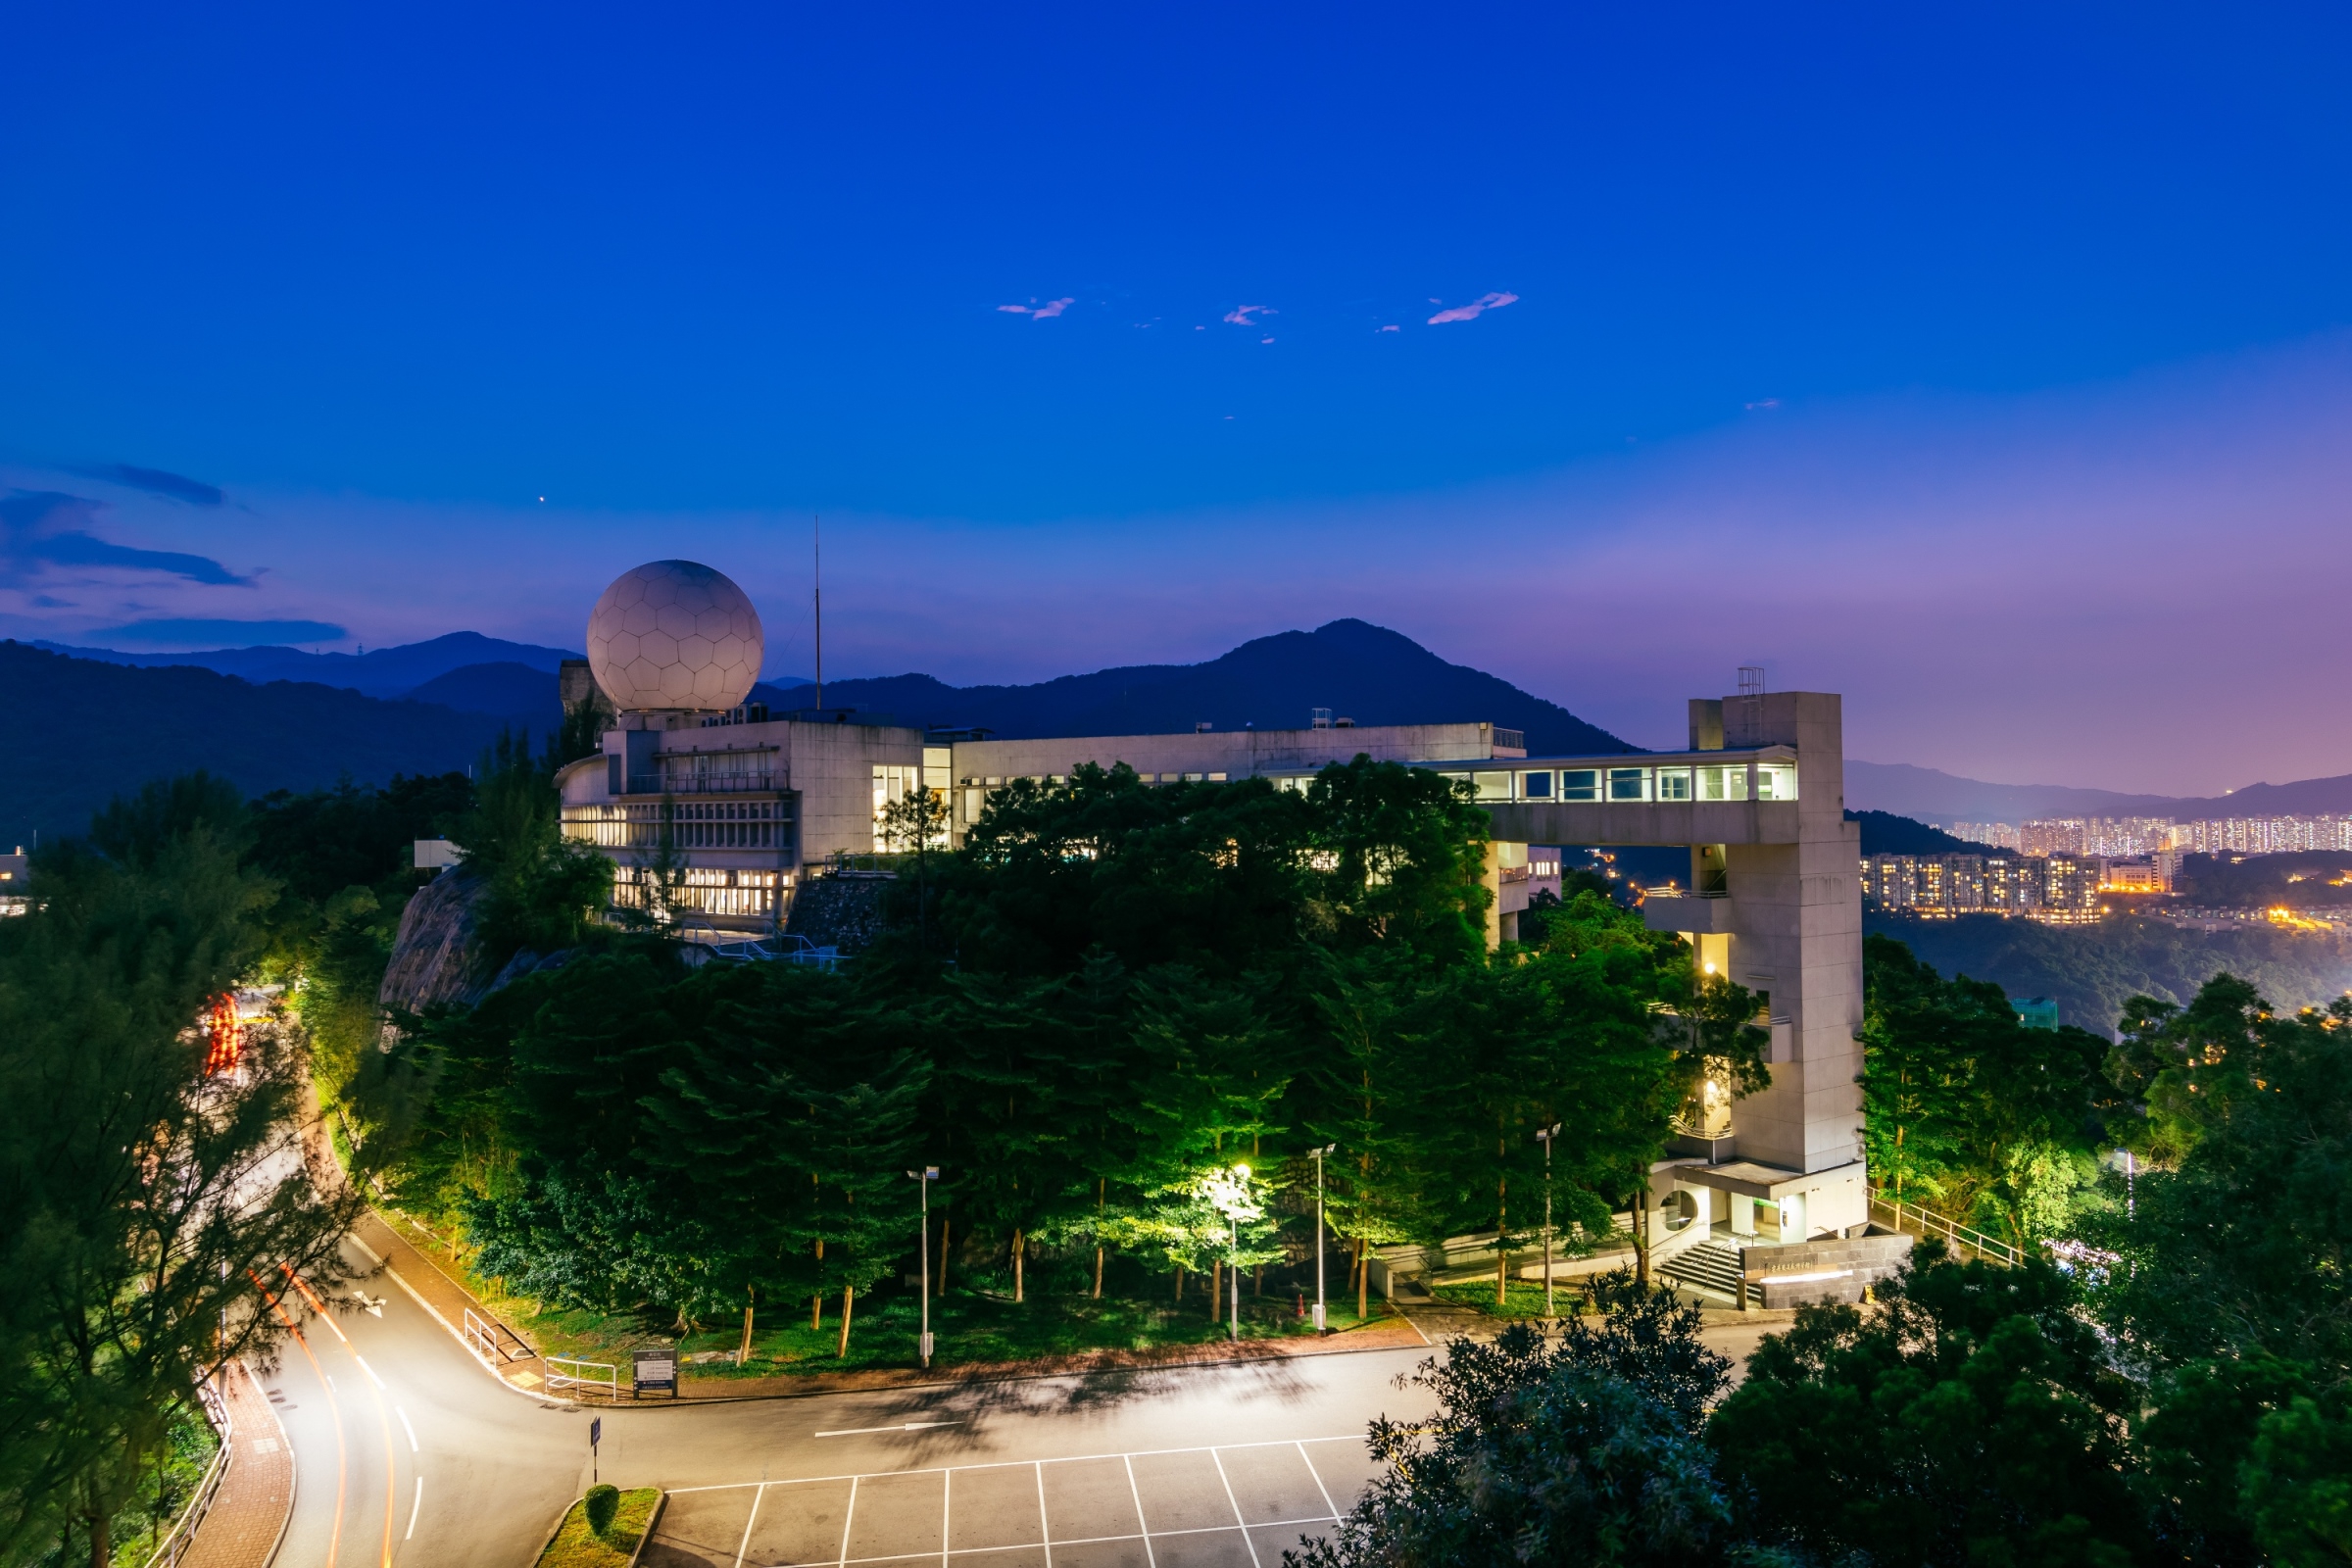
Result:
x=1586 y=1449
x=139 y=1197
x=544 y=889
x=1975 y=1418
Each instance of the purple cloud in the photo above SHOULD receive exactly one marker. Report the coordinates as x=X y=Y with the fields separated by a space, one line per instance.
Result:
x=34 y=534
x=1244 y=315
x=1475 y=309
x=1038 y=313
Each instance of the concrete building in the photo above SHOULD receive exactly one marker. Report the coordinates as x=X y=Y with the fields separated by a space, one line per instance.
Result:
x=720 y=815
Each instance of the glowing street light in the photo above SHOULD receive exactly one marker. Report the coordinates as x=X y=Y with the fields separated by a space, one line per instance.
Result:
x=1545 y=1138
x=1229 y=1195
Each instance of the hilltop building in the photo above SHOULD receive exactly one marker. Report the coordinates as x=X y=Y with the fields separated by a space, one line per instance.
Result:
x=723 y=813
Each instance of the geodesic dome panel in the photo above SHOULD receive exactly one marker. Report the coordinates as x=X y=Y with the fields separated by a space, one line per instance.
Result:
x=674 y=634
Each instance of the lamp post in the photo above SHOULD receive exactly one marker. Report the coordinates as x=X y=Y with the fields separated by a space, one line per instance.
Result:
x=1319 y=1242
x=925 y=1177
x=1545 y=1138
x=1229 y=1192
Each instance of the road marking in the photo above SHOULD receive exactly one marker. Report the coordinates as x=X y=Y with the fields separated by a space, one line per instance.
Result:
x=1309 y=1461
x=365 y=1367
x=1141 y=1523
x=912 y=1426
x=748 y=1521
x=1231 y=1500
x=947 y=1489
x=847 y=1515
x=413 y=1507
x=411 y=1431
x=1070 y=1541
x=1044 y=1526
x=1006 y=1464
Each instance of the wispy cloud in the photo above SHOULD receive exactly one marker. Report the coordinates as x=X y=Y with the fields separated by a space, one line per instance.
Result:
x=1391 y=327
x=186 y=631
x=1474 y=310
x=48 y=528
x=156 y=482
x=1245 y=315
x=1036 y=312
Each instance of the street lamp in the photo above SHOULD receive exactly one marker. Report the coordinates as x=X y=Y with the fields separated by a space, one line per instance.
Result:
x=1545 y=1138
x=926 y=1176
x=1319 y=1243
x=1230 y=1195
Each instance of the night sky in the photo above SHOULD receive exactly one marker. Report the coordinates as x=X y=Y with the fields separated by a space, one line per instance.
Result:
x=1988 y=364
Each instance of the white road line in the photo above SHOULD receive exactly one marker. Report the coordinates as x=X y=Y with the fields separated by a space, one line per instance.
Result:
x=365 y=1367
x=1150 y=1559
x=947 y=1493
x=1044 y=1526
x=1070 y=1541
x=849 y=1516
x=413 y=1507
x=1236 y=1505
x=409 y=1430
x=910 y=1425
x=373 y=1256
x=748 y=1520
x=1006 y=1464
x=1308 y=1460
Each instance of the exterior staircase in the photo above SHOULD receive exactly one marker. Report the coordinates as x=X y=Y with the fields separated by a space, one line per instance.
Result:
x=1711 y=1265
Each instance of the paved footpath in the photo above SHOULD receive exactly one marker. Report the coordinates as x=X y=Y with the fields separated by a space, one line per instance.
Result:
x=257 y=1495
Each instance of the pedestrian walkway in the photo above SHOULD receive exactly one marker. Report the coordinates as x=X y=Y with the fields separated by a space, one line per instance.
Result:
x=508 y=1356
x=256 y=1493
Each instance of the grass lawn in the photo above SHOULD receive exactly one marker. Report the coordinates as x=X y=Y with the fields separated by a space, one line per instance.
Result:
x=968 y=1325
x=1521 y=1298
x=576 y=1547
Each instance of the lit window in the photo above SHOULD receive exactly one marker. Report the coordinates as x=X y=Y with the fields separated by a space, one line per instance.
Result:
x=1629 y=783
x=1674 y=783
x=1492 y=786
x=1776 y=781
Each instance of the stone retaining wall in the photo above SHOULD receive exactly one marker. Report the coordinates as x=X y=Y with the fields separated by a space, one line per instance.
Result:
x=1825 y=1270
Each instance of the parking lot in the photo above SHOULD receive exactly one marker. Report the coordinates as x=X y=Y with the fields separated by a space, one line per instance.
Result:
x=1233 y=1506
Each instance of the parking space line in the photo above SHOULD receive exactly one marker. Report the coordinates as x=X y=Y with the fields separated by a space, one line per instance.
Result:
x=1235 y=1504
x=1044 y=1526
x=749 y=1519
x=1071 y=1541
x=847 y=1515
x=1319 y=1485
x=947 y=1487
x=1141 y=1523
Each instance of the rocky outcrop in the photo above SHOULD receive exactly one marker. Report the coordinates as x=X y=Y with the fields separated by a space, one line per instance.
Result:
x=436 y=957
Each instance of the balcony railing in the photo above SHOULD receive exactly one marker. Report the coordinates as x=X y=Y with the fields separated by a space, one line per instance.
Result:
x=705 y=783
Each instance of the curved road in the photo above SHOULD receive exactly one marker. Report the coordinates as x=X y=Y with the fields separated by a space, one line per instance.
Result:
x=410 y=1451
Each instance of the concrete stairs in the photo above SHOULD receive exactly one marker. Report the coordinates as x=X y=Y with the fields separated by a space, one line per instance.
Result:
x=1711 y=1265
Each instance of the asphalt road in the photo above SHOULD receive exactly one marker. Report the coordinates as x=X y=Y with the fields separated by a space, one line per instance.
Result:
x=409 y=1451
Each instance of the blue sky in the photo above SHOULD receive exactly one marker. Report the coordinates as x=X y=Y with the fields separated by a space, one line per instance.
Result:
x=384 y=279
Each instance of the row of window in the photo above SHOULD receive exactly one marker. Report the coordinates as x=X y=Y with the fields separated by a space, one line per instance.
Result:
x=1770 y=781
x=689 y=824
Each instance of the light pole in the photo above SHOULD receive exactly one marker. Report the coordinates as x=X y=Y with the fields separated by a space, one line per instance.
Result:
x=1229 y=1192
x=925 y=1177
x=1319 y=1245
x=1545 y=1138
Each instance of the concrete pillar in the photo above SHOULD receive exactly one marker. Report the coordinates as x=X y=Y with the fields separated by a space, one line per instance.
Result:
x=1743 y=1215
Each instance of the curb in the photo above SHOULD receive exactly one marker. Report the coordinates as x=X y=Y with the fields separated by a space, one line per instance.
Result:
x=293 y=1472
x=653 y=1522
x=417 y=1295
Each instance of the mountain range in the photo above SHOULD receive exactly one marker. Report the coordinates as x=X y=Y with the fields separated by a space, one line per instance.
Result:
x=104 y=721
x=1929 y=796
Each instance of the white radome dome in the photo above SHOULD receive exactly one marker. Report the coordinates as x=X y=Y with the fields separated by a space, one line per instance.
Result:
x=674 y=636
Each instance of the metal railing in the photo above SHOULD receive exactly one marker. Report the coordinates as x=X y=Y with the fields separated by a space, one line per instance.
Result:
x=493 y=1341
x=704 y=784
x=183 y=1533
x=557 y=1378
x=1935 y=1225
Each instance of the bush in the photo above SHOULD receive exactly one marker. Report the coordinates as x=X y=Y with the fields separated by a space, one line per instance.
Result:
x=602 y=1506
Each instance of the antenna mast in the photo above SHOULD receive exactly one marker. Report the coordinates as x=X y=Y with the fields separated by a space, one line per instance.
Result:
x=816 y=549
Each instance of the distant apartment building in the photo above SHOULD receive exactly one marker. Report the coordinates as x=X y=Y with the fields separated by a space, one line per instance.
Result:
x=2125 y=838
x=2148 y=874
x=2055 y=888
x=1999 y=835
